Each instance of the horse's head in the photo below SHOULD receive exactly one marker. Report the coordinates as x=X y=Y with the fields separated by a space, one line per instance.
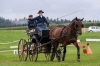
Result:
x=77 y=25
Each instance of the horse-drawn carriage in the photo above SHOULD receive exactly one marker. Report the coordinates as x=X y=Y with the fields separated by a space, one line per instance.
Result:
x=38 y=42
x=50 y=42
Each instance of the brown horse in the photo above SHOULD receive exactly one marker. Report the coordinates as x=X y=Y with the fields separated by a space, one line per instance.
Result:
x=66 y=36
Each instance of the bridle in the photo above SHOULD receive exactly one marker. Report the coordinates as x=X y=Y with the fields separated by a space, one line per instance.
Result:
x=66 y=34
x=75 y=26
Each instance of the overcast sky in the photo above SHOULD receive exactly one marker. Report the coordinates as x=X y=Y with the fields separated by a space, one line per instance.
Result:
x=53 y=8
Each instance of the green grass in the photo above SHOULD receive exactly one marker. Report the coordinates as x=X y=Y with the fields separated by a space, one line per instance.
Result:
x=9 y=59
x=95 y=35
x=9 y=36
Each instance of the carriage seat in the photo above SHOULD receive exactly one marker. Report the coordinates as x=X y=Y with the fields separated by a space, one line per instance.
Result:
x=42 y=30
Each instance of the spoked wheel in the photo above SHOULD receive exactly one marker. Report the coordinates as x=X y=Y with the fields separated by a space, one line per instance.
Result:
x=22 y=50
x=59 y=52
x=33 y=52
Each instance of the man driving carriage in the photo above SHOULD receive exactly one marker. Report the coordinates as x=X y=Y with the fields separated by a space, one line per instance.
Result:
x=41 y=22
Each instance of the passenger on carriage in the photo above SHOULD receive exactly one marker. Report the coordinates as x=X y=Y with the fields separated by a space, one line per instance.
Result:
x=41 y=22
x=31 y=23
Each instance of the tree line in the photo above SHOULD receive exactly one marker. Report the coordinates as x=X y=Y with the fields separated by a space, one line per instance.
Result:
x=5 y=23
x=23 y=22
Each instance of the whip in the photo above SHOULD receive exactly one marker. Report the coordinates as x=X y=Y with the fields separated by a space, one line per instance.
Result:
x=72 y=13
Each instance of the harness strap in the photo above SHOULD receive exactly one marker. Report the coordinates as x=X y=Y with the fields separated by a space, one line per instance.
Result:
x=56 y=39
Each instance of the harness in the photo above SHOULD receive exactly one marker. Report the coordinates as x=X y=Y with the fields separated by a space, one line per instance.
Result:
x=71 y=35
x=68 y=35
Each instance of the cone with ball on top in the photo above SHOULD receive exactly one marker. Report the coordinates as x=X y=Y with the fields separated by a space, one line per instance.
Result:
x=89 y=51
x=86 y=50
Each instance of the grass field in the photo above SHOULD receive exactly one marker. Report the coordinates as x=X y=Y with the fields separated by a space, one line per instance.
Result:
x=9 y=59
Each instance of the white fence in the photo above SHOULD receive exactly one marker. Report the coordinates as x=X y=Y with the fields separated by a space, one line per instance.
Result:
x=78 y=40
x=96 y=40
x=10 y=42
x=13 y=47
x=87 y=39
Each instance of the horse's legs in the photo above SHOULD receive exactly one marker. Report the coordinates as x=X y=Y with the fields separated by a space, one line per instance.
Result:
x=78 y=51
x=53 y=53
x=64 y=53
x=55 y=45
x=58 y=55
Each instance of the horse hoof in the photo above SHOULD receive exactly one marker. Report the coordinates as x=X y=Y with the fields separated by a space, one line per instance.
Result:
x=78 y=60
x=51 y=60
x=63 y=60
x=59 y=61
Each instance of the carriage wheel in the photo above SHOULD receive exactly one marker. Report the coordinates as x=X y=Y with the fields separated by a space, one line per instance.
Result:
x=33 y=52
x=22 y=50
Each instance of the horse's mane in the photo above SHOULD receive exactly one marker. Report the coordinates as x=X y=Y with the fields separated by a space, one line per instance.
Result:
x=73 y=20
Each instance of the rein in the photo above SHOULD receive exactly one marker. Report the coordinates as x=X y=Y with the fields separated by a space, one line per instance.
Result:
x=56 y=40
x=68 y=35
x=71 y=29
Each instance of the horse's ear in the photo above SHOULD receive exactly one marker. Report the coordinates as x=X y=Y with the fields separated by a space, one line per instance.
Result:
x=76 y=18
x=82 y=19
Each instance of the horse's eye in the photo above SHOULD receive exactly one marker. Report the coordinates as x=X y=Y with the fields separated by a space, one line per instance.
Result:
x=76 y=25
x=82 y=25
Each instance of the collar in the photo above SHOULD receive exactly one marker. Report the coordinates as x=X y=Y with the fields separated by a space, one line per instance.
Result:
x=41 y=16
